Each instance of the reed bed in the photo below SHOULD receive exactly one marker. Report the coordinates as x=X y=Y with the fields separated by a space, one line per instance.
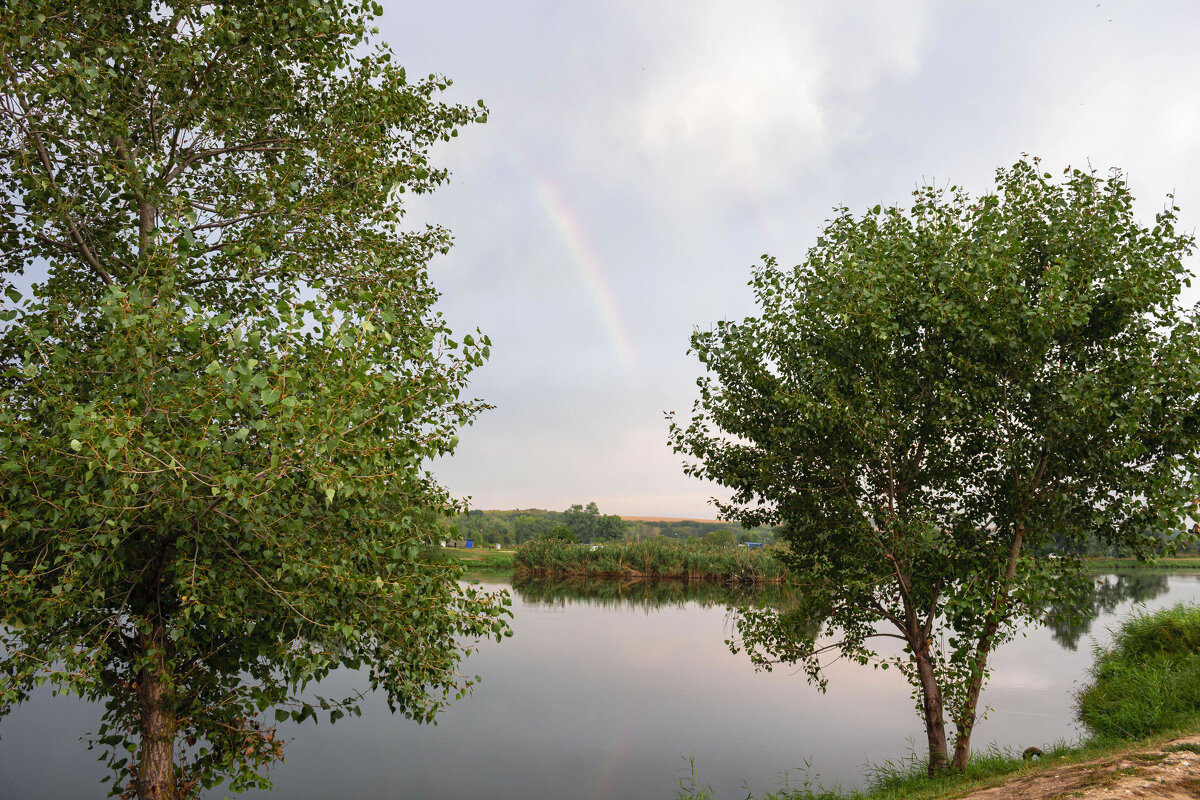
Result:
x=660 y=558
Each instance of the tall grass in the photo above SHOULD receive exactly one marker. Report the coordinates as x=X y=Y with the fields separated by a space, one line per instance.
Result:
x=1148 y=680
x=906 y=778
x=659 y=557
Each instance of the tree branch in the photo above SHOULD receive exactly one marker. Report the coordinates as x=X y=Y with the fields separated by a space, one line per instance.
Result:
x=88 y=257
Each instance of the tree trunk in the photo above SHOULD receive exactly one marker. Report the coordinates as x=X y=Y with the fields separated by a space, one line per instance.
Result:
x=156 y=759
x=966 y=717
x=935 y=725
x=965 y=720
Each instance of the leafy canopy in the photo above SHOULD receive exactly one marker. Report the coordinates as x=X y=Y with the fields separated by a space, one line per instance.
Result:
x=938 y=394
x=217 y=404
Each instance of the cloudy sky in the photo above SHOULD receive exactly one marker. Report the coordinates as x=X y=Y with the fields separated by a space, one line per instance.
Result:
x=640 y=156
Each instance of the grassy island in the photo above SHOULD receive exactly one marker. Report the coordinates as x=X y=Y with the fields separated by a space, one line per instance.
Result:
x=660 y=557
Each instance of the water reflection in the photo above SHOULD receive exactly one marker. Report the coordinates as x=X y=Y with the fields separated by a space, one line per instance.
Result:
x=1072 y=619
x=1068 y=619
x=601 y=692
x=559 y=592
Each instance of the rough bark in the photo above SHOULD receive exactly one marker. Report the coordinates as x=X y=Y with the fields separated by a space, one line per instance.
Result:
x=935 y=725
x=966 y=718
x=156 y=758
x=917 y=636
x=965 y=722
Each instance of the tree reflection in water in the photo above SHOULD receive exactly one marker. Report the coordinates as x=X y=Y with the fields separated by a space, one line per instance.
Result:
x=647 y=592
x=1071 y=620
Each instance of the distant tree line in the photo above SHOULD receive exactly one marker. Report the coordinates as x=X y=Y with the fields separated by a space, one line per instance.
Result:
x=1179 y=542
x=586 y=524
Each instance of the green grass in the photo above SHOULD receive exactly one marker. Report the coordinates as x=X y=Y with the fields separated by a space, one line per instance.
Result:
x=659 y=557
x=481 y=559
x=903 y=779
x=477 y=564
x=1148 y=680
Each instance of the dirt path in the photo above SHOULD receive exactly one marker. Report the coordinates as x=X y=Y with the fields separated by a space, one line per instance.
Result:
x=1169 y=772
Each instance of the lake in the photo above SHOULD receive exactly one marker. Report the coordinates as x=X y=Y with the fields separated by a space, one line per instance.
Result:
x=604 y=696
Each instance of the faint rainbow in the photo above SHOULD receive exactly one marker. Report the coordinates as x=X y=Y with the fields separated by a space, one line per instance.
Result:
x=614 y=765
x=586 y=263
x=588 y=266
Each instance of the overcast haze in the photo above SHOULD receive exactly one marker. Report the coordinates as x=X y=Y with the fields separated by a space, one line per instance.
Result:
x=640 y=157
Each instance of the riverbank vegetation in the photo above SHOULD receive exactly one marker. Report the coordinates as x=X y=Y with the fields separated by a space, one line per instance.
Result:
x=659 y=557
x=1133 y=579
x=502 y=564
x=1148 y=679
x=1165 y=564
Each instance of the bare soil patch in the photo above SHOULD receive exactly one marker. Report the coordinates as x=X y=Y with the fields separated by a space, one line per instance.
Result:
x=1168 y=772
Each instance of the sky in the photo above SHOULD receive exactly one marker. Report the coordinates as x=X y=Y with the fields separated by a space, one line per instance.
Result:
x=640 y=157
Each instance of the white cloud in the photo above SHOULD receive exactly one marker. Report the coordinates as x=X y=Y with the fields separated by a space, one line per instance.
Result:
x=733 y=105
x=750 y=102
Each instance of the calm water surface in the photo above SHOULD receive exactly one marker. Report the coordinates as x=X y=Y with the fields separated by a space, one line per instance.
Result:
x=602 y=697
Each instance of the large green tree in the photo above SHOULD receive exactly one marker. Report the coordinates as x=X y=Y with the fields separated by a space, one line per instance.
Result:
x=589 y=525
x=218 y=401
x=935 y=396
